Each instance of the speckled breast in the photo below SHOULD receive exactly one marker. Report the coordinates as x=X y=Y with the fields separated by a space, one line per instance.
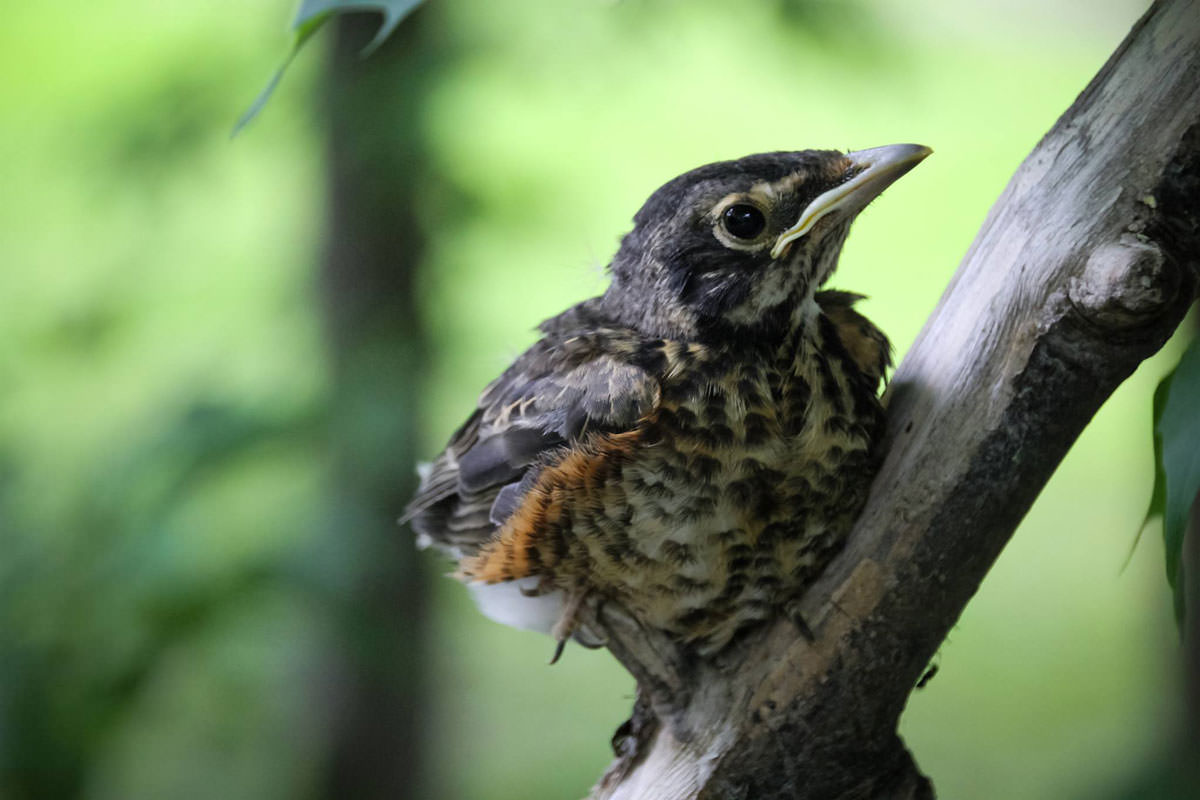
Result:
x=742 y=487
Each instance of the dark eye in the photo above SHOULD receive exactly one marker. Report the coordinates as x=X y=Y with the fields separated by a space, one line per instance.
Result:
x=743 y=221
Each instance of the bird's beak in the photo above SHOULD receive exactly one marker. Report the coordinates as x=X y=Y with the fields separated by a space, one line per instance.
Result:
x=873 y=171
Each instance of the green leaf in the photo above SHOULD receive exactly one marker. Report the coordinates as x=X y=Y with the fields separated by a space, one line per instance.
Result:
x=309 y=19
x=1158 y=495
x=1177 y=460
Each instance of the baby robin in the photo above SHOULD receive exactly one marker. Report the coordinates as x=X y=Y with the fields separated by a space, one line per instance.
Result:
x=695 y=443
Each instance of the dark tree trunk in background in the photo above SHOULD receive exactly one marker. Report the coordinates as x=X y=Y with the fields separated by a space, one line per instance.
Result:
x=374 y=247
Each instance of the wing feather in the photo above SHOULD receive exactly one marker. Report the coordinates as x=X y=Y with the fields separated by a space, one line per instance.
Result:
x=570 y=383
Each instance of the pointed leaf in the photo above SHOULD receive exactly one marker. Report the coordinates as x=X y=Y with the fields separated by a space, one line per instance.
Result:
x=393 y=12
x=311 y=15
x=1158 y=495
x=1177 y=445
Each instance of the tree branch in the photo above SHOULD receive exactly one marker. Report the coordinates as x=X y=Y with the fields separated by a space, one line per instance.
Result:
x=1083 y=268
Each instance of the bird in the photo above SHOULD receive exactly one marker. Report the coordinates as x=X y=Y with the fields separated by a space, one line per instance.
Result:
x=694 y=443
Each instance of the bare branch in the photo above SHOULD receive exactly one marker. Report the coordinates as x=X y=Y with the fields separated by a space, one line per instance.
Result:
x=1084 y=267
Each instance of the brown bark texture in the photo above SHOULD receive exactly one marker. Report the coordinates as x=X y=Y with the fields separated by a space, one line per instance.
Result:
x=1083 y=268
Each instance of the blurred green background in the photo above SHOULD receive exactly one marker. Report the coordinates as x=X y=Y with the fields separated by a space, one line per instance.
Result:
x=190 y=597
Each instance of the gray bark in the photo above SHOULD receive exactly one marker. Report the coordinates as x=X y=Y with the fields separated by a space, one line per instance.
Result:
x=1083 y=268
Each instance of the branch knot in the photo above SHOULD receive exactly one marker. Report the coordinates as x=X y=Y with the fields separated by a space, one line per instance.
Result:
x=1124 y=284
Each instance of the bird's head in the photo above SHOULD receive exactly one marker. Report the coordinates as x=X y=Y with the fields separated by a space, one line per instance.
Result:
x=740 y=246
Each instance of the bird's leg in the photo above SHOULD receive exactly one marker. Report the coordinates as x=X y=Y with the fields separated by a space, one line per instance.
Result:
x=568 y=622
x=791 y=610
x=598 y=637
x=545 y=585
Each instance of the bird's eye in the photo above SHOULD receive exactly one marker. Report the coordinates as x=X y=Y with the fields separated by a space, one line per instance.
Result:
x=743 y=221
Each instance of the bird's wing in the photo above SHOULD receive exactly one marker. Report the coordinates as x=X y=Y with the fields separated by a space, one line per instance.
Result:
x=869 y=350
x=561 y=389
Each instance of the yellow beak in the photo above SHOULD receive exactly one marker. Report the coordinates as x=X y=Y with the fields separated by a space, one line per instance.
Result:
x=874 y=170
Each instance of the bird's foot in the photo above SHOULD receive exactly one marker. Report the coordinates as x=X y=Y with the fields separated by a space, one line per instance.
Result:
x=792 y=610
x=544 y=586
x=568 y=622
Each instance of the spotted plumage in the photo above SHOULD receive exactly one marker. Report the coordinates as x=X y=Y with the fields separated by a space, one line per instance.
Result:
x=695 y=443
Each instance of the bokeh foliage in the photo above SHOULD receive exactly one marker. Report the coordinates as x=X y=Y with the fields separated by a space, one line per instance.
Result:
x=167 y=585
